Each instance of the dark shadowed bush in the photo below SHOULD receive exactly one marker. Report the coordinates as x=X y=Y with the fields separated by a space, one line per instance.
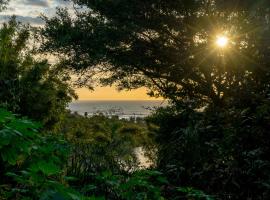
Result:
x=221 y=151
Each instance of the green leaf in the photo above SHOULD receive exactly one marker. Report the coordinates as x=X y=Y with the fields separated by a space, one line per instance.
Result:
x=10 y=155
x=5 y=137
x=48 y=168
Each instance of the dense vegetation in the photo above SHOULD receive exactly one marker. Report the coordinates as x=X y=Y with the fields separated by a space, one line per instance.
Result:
x=35 y=165
x=30 y=87
x=212 y=139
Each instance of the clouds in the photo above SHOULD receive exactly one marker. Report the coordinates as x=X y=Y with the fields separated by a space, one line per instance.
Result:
x=29 y=11
x=41 y=3
x=35 y=21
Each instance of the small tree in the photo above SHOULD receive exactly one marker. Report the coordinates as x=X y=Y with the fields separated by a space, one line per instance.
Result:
x=30 y=86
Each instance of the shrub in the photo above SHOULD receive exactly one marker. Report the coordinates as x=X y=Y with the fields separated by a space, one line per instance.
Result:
x=31 y=164
x=223 y=151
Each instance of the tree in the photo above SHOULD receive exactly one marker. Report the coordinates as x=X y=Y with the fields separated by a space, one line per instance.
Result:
x=31 y=87
x=221 y=151
x=169 y=46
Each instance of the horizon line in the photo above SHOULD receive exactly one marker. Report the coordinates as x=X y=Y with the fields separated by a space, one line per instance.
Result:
x=119 y=100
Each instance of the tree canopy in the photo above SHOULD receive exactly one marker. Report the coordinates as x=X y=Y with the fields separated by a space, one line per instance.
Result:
x=169 y=46
x=30 y=86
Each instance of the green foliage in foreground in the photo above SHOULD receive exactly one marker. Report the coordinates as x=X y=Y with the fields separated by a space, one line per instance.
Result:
x=33 y=166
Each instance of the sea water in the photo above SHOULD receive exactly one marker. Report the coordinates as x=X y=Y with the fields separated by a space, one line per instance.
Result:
x=123 y=109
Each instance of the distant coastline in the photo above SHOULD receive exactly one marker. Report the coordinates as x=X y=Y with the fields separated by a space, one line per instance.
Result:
x=122 y=108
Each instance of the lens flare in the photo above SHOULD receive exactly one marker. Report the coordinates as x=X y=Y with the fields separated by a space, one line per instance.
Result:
x=222 y=41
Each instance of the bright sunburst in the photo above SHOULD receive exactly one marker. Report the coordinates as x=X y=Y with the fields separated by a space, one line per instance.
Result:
x=222 y=41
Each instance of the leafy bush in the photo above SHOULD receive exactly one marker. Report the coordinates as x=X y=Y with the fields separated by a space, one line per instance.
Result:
x=31 y=164
x=223 y=151
x=100 y=144
x=143 y=184
x=191 y=193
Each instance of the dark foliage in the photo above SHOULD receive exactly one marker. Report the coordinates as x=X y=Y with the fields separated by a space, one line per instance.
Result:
x=221 y=151
x=31 y=87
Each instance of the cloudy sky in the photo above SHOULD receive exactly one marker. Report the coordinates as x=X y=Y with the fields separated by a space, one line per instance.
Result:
x=29 y=11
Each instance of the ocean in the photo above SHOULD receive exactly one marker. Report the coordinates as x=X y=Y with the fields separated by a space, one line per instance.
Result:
x=123 y=109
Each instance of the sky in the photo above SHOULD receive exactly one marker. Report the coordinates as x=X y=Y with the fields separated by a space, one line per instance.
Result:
x=29 y=11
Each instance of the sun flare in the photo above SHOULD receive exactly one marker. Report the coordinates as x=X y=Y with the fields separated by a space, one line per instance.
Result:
x=222 y=41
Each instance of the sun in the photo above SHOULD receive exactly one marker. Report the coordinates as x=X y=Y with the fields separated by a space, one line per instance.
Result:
x=222 y=41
